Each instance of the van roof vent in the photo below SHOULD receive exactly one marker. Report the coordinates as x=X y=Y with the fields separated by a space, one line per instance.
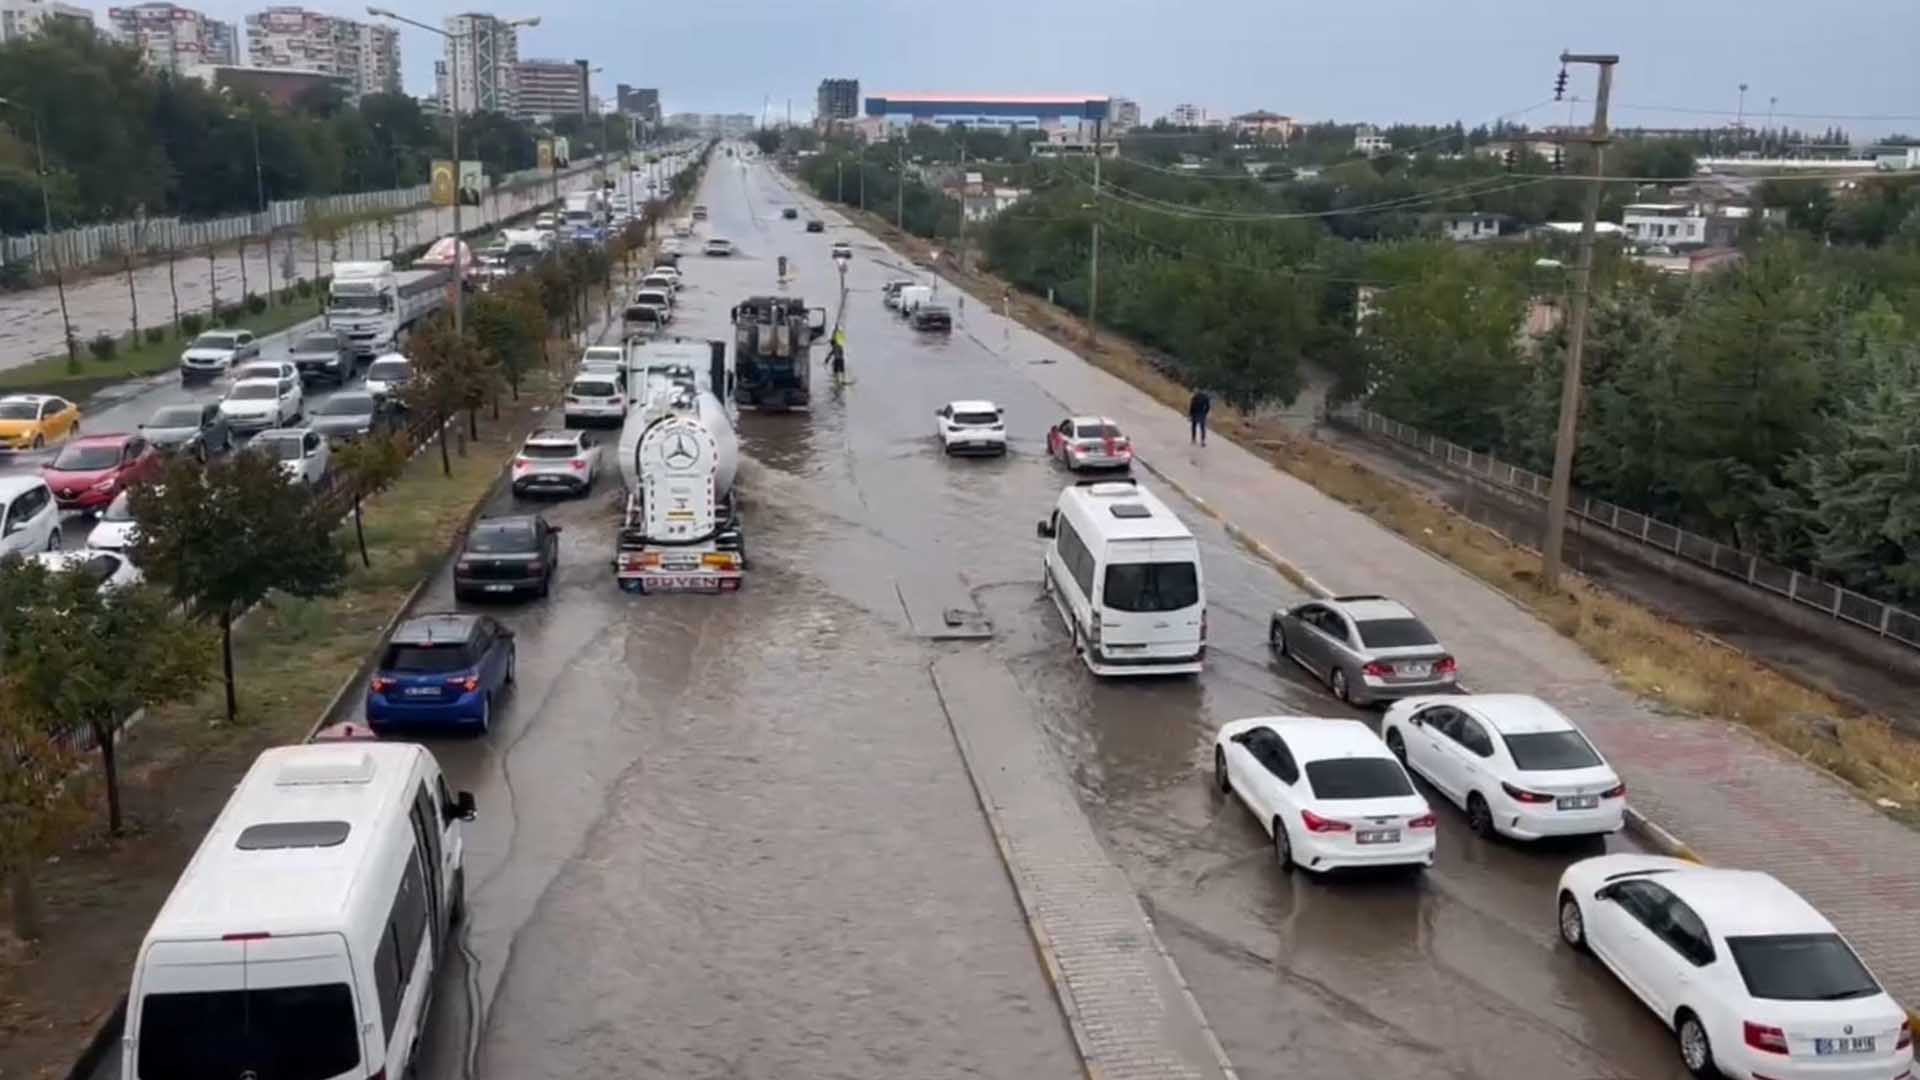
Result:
x=1129 y=510
x=279 y=835
x=331 y=769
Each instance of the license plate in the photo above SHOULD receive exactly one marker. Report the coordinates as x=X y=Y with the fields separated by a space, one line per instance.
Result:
x=498 y=588
x=1578 y=802
x=1377 y=836
x=423 y=691
x=1411 y=670
x=1854 y=1044
x=682 y=583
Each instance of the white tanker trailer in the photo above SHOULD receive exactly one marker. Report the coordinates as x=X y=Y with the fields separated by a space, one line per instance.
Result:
x=681 y=529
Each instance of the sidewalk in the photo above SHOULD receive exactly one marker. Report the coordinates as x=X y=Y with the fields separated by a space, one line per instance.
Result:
x=1733 y=798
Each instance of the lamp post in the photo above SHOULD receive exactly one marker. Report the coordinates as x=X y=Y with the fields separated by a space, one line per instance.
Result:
x=46 y=208
x=453 y=120
x=260 y=192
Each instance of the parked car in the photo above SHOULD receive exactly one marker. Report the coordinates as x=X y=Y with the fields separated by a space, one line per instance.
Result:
x=303 y=453
x=816 y=225
x=1752 y=980
x=719 y=246
x=108 y=570
x=259 y=404
x=1089 y=442
x=322 y=354
x=507 y=555
x=34 y=421
x=658 y=299
x=266 y=369
x=563 y=461
x=595 y=400
x=932 y=318
x=346 y=416
x=971 y=427
x=890 y=292
x=1327 y=791
x=789 y=212
x=387 y=375
x=29 y=519
x=440 y=669
x=92 y=469
x=115 y=529
x=1512 y=762
x=217 y=351
x=602 y=360
x=664 y=282
x=199 y=430
x=1366 y=648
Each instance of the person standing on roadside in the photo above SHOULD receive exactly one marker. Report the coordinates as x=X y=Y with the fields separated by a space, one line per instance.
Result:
x=1197 y=409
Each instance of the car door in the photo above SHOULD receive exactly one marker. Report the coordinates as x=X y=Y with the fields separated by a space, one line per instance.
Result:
x=1244 y=770
x=1679 y=949
x=55 y=420
x=1279 y=775
x=314 y=453
x=549 y=544
x=494 y=648
x=1619 y=934
x=1470 y=753
x=940 y=417
x=1421 y=735
x=13 y=526
x=1306 y=638
x=289 y=398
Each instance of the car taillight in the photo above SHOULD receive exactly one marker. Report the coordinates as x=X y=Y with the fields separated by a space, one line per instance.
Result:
x=1617 y=791
x=1523 y=795
x=1316 y=823
x=469 y=683
x=1203 y=625
x=578 y=464
x=520 y=463
x=1906 y=1035
x=1379 y=669
x=381 y=684
x=1762 y=1037
x=1445 y=666
x=1424 y=821
x=724 y=560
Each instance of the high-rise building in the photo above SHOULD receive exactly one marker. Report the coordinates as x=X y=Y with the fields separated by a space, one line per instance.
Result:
x=1184 y=115
x=483 y=51
x=838 y=101
x=550 y=88
x=20 y=18
x=367 y=56
x=639 y=101
x=174 y=38
x=1123 y=115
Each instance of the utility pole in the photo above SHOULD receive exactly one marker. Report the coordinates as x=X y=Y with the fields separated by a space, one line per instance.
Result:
x=1563 y=443
x=863 y=178
x=839 y=180
x=900 y=192
x=1093 y=267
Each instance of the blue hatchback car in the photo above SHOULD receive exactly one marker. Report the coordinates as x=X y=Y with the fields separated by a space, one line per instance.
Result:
x=440 y=670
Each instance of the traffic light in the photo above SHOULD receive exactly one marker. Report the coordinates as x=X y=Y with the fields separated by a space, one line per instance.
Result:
x=1560 y=85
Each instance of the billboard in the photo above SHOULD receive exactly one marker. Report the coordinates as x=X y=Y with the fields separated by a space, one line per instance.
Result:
x=442 y=180
x=561 y=157
x=473 y=182
x=543 y=153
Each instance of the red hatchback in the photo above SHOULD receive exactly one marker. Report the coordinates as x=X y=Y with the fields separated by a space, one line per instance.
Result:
x=92 y=469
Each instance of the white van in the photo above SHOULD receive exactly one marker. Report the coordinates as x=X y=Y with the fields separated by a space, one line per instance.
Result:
x=912 y=296
x=1125 y=574
x=304 y=936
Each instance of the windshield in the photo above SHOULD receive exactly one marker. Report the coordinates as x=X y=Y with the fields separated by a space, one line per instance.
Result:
x=19 y=410
x=546 y=450
x=1169 y=586
x=254 y=392
x=318 y=343
x=976 y=419
x=509 y=536
x=176 y=416
x=81 y=457
x=593 y=388
x=213 y=341
x=281 y=447
x=288 y=1033
x=388 y=370
x=1801 y=967
x=358 y=303
x=1394 y=633
x=1096 y=431
x=344 y=405
x=1357 y=778
x=1545 y=751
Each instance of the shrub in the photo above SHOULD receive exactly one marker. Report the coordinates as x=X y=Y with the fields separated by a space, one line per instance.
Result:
x=155 y=334
x=191 y=324
x=229 y=315
x=103 y=346
x=303 y=287
x=256 y=303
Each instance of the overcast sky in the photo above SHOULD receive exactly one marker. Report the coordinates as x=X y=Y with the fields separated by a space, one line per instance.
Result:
x=1379 y=60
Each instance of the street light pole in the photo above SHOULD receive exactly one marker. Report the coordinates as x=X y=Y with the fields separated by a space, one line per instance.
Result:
x=46 y=210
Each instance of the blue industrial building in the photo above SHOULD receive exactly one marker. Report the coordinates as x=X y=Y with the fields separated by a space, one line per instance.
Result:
x=990 y=110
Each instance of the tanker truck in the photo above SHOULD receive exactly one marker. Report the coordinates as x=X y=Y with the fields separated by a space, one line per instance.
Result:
x=680 y=530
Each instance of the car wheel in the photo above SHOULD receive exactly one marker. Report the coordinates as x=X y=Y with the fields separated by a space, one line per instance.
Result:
x=485 y=721
x=39 y=443
x=1277 y=637
x=1338 y=684
x=1397 y=746
x=1696 y=1050
x=513 y=661
x=1282 y=846
x=1573 y=925
x=457 y=909
x=53 y=539
x=1220 y=777
x=1480 y=816
x=546 y=585
x=200 y=452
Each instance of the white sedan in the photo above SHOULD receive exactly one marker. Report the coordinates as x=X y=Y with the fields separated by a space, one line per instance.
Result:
x=1512 y=762
x=115 y=529
x=109 y=570
x=971 y=427
x=1753 y=981
x=1327 y=791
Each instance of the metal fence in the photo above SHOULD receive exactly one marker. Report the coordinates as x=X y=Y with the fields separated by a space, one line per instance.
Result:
x=90 y=244
x=1886 y=620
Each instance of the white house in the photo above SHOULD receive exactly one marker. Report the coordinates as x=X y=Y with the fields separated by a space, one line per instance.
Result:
x=1471 y=226
x=1669 y=224
x=1368 y=141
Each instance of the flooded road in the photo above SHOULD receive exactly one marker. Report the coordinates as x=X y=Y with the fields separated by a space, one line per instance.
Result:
x=732 y=837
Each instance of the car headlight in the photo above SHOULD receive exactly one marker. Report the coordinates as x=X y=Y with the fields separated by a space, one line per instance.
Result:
x=104 y=485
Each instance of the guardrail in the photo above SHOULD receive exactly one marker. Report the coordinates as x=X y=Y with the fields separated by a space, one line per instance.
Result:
x=1876 y=616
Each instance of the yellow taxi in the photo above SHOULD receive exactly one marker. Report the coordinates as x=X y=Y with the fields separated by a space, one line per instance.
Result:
x=31 y=421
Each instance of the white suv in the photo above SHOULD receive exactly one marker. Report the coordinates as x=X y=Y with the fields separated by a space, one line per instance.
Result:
x=972 y=427
x=29 y=520
x=595 y=399
x=258 y=404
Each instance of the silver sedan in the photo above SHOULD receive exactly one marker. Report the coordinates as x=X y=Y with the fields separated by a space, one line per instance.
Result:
x=1366 y=648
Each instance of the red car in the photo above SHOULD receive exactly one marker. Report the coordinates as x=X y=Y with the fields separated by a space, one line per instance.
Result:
x=92 y=469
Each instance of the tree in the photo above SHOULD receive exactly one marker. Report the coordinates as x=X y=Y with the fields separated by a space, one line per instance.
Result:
x=222 y=536
x=78 y=657
x=509 y=325
x=43 y=798
x=451 y=373
x=367 y=466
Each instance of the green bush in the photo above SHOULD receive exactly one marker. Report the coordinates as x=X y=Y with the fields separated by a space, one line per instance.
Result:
x=256 y=304
x=229 y=315
x=191 y=324
x=155 y=334
x=103 y=346
x=303 y=287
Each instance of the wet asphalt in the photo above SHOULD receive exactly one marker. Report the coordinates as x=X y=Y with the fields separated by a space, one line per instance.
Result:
x=731 y=836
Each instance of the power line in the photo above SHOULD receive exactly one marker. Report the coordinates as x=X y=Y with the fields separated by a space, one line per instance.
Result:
x=1909 y=174
x=1692 y=110
x=1483 y=186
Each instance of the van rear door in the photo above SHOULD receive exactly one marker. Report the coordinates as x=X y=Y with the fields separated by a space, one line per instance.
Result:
x=1151 y=602
x=280 y=1007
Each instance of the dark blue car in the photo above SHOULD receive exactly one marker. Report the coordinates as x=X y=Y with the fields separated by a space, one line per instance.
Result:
x=441 y=670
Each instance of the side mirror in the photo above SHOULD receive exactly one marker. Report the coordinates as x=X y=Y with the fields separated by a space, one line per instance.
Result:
x=1043 y=529
x=1605 y=892
x=553 y=529
x=1414 y=720
x=464 y=807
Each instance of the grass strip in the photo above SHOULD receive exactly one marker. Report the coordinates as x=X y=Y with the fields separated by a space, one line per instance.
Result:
x=55 y=375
